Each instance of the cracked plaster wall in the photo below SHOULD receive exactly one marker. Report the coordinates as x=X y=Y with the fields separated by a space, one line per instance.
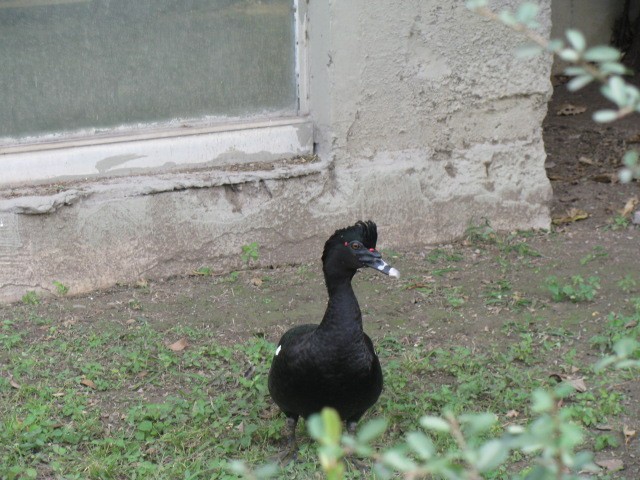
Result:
x=424 y=119
x=433 y=121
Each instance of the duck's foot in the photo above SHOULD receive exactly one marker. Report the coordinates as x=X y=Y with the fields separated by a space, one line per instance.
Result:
x=359 y=464
x=290 y=451
x=288 y=455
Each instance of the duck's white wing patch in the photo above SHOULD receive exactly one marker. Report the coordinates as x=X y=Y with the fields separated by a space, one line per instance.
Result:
x=278 y=350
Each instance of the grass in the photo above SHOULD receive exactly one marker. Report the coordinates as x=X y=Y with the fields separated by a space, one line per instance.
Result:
x=118 y=399
x=111 y=400
x=576 y=290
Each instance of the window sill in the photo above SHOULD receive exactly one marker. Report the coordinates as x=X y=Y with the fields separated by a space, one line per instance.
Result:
x=46 y=199
x=157 y=152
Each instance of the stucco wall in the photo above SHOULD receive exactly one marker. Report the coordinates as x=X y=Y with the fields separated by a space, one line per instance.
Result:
x=433 y=123
x=594 y=18
x=424 y=122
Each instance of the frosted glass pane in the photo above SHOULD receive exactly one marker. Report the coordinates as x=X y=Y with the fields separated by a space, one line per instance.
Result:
x=67 y=65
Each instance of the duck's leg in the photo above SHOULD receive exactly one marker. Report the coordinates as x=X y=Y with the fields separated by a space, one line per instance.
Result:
x=356 y=462
x=290 y=451
x=351 y=427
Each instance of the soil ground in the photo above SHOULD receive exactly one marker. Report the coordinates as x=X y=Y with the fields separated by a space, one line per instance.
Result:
x=581 y=157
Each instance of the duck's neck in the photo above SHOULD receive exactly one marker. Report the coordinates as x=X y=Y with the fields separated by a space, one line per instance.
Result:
x=343 y=312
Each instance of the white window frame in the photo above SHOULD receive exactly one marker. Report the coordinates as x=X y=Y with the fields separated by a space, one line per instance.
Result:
x=174 y=145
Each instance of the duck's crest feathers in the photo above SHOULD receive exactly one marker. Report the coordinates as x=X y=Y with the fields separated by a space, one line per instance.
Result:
x=366 y=232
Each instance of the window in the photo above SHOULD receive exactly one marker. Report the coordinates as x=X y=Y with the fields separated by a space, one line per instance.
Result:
x=104 y=71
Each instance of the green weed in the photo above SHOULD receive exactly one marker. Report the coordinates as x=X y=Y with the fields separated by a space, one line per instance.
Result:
x=454 y=297
x=250 y=252
x=605 y=441
x=439 y=272
x=596 y=253
x=205 y=271
x=628 y=284
x=619 y=222
x=30 y=298
x=61 y=288
x=441 y=255
x=481 y=234
x=576 y=290
x=618 y=327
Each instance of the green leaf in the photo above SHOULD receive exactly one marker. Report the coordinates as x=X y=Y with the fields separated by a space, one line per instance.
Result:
x=332 y=425
x=615 y=90
x=267 y=471
x=625 y=175
x=628 y=364
x=576 y=39
x=630 y=158
x=614 y=68
x=491 y=455
x=574 y=71
x=529 y=50
x=507 y=18
x=421 y=445
x=435 y=423
x=478 y=422
x=555 y=45
x=542 y=401
x=604 y=116
x=571 y=435
x=475 y=4
x=569 y=55
x=527 y=13
x=371 y=430
x=398 y=460
x=602 y=53
x=315 y=426
x=145 y=426
x=627 y=346
x=578 y=82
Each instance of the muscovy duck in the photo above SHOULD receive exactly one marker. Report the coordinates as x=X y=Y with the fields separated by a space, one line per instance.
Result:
x=332 y=364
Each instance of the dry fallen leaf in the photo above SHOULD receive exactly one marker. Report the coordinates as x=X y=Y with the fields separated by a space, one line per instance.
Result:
x=631 y=324
x=13 y=383
x=570 y=109
x=628 y=434
x=612 y=464
x=179 y=345
x=586 y=161
x=634 y=138
x=576 y=382
x=572 y=215
x=604 y=428
x=88 y=383
x=513 y=414
x=257 y=281
x=629 y=207
x=605 y=178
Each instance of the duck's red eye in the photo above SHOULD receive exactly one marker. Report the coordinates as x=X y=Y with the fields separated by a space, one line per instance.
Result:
x=346 y=244
x=372 y=249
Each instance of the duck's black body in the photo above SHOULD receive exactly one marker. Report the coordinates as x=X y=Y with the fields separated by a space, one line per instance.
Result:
x=332 y=364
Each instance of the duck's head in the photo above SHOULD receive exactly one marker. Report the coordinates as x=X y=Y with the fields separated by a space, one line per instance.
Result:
x=354 y=247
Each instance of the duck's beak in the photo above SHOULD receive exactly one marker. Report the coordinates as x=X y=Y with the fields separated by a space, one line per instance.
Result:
x=373 y=259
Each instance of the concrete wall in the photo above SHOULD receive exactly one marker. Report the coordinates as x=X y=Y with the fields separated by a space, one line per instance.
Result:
x=424 y=122
x=594 y=18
